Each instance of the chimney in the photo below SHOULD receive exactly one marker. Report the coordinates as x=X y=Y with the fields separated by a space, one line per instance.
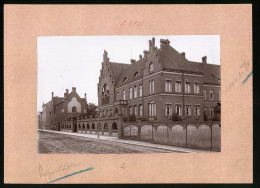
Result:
x=85 y=96
x=73 y=89
x=204 y=61
x=164 y=42
x=183 y=54
x=52 y=94
x=132 y=61
x=140 y=56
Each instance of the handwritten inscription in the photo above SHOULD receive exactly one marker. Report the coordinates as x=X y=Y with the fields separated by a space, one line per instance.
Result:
x=123 y=166
x=132 y=23
x=50 y=173
x=244 y=69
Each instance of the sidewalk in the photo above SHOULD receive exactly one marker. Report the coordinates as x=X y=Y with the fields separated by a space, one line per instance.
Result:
x=130 y=142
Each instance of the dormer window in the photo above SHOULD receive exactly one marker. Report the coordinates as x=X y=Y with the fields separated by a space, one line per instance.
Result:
x=136 y=75
x=151 y=68
x=125 y=79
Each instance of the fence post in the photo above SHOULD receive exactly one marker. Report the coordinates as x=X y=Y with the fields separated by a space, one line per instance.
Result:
x=186 y=125
x=167 y=132
x=211 y=135
x=152 y=132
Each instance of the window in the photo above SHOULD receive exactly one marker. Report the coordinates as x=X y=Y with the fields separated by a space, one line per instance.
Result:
x=123 y=94
x=211 y=94
x=196 y=88
x=130 y=110
x=152 y=109
x=136 y=75
x=205 y=110
x=178 y=110
x=188 y=110
x=135 y=110
x=117 y=96
x=111 y=112
x=74 y=109
x=135 y=92
x=130 y=93
x=140 y=90
x=205 y=94
x=116 y=112
x=211 y=112
x=141 y=110
x=125 y=79
x=178 y=86
x=151 y=83
x=197 y=110
x=168 y=85
x=187 y=87
x=168 y=109
x=151 y=68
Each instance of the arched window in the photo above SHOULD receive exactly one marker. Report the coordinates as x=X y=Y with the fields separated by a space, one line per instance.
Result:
x=111 y=112
x=130 y=110
x=135 y=92
x=123 y=94
x=141 y=110
x=136 y=74
x=125 y=79
x=151 y=68
x=135 y=110
x=130 y=93
x=116 y=112
x=152 y=109
x=74 y=109
x=140 y=90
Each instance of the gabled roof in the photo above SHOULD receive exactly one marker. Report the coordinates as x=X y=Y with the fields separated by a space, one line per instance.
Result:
x=173 y=60
x=130 y=70
x=170 y=59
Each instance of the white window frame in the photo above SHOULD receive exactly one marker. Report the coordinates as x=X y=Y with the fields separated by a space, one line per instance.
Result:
x=189 y=110
x=152 y=109
x=151 y=68
x=196 y=88
x=211 y=94
x=135 y=110
x=124 y=97
x=130 y=93
x=176 y=107
x=205 y=94
x=141 y=110
x=168 y=85
x=168 y=109
x=140 y=90
x=135 y=92
x=211 y=111
x=187 y=87
x=151 y=85
x=178 y=86
x=197 y=110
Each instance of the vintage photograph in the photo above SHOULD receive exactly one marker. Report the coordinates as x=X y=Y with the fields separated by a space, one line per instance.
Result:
x=129 y=94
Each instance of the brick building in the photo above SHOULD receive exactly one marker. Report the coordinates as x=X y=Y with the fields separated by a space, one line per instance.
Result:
x=70 y=106
x=159 y=85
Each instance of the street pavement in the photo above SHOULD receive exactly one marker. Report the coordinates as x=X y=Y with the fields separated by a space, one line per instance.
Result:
x=68 y=142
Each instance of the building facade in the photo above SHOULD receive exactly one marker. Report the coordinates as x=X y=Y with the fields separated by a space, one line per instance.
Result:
x=70 y=106
x=161 y=85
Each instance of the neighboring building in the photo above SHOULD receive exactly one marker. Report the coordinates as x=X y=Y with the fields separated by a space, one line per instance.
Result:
x=161 y=83
x=71 y=106
x=39 y=120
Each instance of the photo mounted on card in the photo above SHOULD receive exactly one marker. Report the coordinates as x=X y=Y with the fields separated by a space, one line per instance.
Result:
x=128 y=98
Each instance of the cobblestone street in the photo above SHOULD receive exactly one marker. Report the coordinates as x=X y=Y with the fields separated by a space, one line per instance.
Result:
x=60 y=143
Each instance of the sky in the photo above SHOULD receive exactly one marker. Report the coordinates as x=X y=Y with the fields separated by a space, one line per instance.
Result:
x=75 y=61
